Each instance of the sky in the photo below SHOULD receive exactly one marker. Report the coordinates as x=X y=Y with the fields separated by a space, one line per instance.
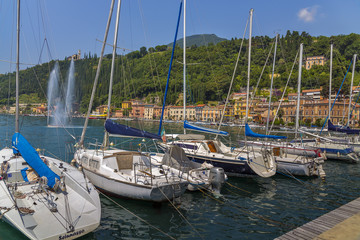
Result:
x=72 y=25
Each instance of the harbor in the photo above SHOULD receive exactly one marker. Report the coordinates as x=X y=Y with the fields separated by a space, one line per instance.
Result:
x=113 y=175
x=250 y=208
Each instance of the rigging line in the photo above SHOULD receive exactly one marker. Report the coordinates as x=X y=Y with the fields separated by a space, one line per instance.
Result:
x=42 y=17
x=172 y=204
x=336 y=97
x=38 y=18
x=32 y=26
x=11 y=62
x=127 y=64
x=10 y=66
x=42 y=48
x=232 y=79
x=282 y=97
x=42 y=198
x=358 y=95
x=141 y=219
x=220 y=57
x=283 y=54
x=262 y=72
x=37 y=78
x=259 y=29
x=258 y=82
x=122 y=77
x=146 y=42
x=68 y=212
x=49 y=52
x=48 y=20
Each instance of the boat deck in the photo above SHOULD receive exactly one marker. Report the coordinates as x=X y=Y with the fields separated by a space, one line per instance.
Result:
x=341 y=223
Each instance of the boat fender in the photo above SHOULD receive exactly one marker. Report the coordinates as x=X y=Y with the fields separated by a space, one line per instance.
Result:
x=338 y=154
x=73 y=162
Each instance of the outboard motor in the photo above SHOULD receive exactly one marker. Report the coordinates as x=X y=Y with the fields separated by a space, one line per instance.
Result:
x=217 y=179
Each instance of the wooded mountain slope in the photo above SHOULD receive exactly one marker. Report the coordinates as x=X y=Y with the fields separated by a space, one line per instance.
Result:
x=143 y=73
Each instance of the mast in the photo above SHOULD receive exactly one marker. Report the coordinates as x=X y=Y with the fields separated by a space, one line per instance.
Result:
x=249 y=60
x=106 y=135
x=168 y=76
x=271 y=85
x=17 y=68
x=331 y=58
x=184 y=71
x=97 y=74
x=351 y=86
x=298 y=92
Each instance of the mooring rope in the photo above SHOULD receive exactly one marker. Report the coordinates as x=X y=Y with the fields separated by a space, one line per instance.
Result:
x=181 y=214
x=6 y=210
x=245 y=211
x=237 y=187
x=141 y=219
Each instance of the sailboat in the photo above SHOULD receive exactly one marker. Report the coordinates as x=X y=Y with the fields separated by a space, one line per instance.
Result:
x=352 y=138
x=344 y=129
x=235 y=163
x=123 y=173
x=43 y=197
x=333 y=149
x=290 y=159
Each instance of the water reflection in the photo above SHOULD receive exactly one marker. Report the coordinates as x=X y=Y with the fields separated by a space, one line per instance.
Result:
x=251 y=208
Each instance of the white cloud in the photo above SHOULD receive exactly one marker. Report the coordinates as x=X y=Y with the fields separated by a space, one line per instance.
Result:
x=308 y=14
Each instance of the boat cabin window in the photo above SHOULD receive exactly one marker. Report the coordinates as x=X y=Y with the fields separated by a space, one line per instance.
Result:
x=84 y=160
x=188 y=146
x=93 y=163
x=212 y=146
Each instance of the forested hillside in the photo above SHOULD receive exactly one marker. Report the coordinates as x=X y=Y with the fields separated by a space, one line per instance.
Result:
x=143 y=73
x=199 y=40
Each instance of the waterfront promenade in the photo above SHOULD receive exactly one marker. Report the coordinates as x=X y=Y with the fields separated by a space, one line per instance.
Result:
x=341 y=223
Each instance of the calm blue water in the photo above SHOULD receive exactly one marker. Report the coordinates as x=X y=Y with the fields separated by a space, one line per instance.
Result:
x=256 y=208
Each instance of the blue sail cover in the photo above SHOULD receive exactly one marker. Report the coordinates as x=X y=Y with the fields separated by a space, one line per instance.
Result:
x=22 y=146
x=120 y=129
x=193 y=127
x=347 y=130
x=250 y=133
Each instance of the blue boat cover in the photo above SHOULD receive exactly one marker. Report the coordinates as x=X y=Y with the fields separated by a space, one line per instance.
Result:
x=343 y=152
x=24 y=175
x=336 y=128
x=120 y=129
x=250 y=133
x=22 y=146
x=193 y=127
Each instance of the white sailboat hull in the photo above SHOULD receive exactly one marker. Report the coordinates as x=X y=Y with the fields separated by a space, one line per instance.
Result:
x=78 y=211
x=300 y=167
x=138 y=180
x=117 y=188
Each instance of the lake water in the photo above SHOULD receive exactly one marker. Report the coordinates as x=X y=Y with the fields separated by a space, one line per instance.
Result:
x=251 y=208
